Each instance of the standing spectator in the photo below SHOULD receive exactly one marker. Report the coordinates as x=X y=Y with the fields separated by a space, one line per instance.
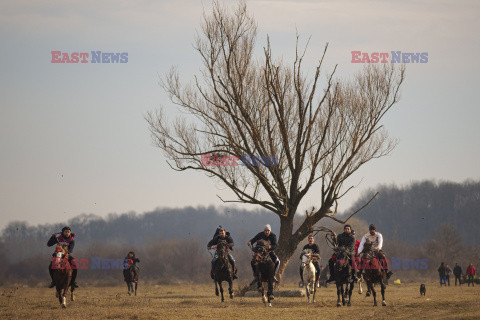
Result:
x=471 y=272
x=448 y=272
x=441 y=273
x=457 y=272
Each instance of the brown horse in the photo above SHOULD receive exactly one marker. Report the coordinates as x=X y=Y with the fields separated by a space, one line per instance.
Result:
x=62 y=275
x=131 y=274
x=264 y=270
x=223 y=270
x=373 y=272
x=343 y=280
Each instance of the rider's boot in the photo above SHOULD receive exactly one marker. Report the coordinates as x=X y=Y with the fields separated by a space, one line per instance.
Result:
x=277 y=265
x=389 y=273
x=232 y=261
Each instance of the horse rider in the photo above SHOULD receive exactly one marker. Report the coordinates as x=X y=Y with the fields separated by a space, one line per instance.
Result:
x=267 y=235
x=134 y=260
x=347 y=241
x=65 y=237
x=316 y=256
x=376 y=239
x=222 y=236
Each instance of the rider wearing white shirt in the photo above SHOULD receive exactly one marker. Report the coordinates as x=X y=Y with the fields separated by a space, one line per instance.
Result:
x=376 y=239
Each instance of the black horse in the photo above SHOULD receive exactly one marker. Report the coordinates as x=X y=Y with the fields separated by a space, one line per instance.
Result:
x=373 y=272
x=223 y=270
x=131 y=274
x=343 y=279
x=264 y=270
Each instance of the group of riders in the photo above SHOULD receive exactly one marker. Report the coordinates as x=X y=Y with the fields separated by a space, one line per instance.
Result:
x=345 y=240
x=66 y=239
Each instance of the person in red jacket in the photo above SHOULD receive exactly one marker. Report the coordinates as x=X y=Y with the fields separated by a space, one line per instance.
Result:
x=357 y=257
x=471 y=272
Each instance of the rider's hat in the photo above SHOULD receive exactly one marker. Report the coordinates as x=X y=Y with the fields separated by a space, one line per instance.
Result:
x=372 y=227
x=267 y=227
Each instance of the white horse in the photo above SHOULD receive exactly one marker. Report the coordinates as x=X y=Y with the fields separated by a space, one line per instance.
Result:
x=309 y=273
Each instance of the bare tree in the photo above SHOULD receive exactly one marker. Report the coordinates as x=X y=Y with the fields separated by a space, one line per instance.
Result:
x=243 y=105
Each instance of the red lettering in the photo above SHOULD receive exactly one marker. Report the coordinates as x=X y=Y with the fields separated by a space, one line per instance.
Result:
x=55 y=58
x=355 y=55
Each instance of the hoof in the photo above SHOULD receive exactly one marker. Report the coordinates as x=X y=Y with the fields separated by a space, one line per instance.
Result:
x=384 y=303
x=368 y=294
x=375 y=304
x=271 y=298
x=216 y=293
x=129 y=293
x=64 y=306
x=231 y=296
x=349 y=304
x=339 y=304
x=269 y=305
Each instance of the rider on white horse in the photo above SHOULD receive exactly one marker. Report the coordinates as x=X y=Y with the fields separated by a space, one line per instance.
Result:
x=222 y=236
x=316 y=252
x=376 y=239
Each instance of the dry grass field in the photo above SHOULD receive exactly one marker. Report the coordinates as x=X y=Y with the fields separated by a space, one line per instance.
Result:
x=199 y=302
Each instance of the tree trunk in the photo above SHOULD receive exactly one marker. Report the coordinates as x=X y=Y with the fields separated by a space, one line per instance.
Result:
x=286 y=243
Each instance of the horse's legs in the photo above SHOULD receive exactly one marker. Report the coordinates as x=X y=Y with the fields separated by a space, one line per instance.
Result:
x=344 y=293
x=72 y=296
x=306 y=284
x=216 y=289
x=338 y=294
x=350 y=290
x=270 y=292
x=383 y=293
x=372 y=289
x=360 y=280
x=221 y=289
x=136 y=283
x=230 y=289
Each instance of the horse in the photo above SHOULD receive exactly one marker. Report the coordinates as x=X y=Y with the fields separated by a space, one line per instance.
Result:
x=223 y=269
x=131 y=273
x=342 y=277
x=62 y=274
x=264 y=270
x=373 y=273
x=309 y=273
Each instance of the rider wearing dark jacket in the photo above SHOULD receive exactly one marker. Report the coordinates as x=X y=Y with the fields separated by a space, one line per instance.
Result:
x=130 y=256
x=347 y=241
x=222 y=235
x=267 y=235
x=65 y=237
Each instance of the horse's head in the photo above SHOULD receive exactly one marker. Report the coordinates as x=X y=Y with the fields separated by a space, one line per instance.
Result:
x=368 y=250
x=341 y=261
x=306 y=257
x=222 y=249
x=261 y=250
x=61 y=250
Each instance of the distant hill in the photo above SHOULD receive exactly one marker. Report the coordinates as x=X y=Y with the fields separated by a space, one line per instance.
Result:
x=197 y=224
x=412 y=213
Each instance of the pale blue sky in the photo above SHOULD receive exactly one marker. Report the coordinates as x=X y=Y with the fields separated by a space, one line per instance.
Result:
x=85 y=121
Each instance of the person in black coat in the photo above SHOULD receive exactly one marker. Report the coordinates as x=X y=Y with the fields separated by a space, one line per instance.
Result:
x=347 y=241
x=130 y=256
x=267 y=235
x=222 y=236
x=457 y=272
